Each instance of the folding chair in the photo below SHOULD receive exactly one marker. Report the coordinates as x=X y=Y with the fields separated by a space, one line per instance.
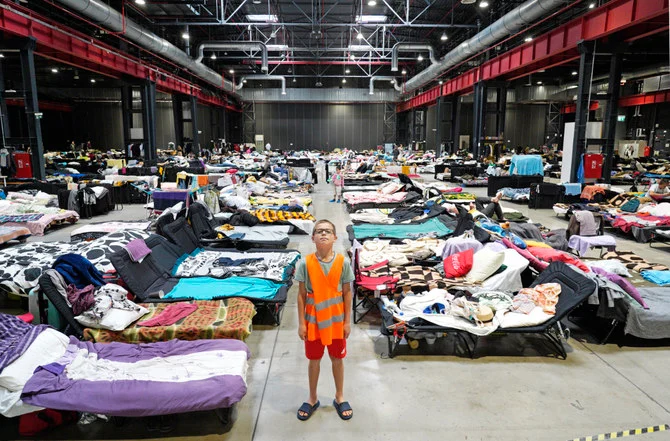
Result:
x=368 y=289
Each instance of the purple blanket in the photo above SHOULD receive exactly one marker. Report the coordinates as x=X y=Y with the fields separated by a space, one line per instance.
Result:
x=162 y=378
x=15 y=337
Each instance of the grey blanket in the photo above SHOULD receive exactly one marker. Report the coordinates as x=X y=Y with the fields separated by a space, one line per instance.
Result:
x=652 y=323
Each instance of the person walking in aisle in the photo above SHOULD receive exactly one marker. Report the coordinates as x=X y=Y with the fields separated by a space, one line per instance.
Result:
x=338 y=183
x=324 y=312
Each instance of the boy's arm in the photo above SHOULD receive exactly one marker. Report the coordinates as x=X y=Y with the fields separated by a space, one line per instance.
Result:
x=302 y=297
x=346 y=295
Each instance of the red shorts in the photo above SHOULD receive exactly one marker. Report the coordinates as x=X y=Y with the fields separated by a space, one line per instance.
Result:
x=314 y=349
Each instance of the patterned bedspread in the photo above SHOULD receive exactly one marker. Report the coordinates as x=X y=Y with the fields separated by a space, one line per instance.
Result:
x=418 y=277
x=214 y=319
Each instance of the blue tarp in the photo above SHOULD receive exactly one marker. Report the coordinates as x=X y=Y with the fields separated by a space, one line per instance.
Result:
x=208 y=288
x=432 y=226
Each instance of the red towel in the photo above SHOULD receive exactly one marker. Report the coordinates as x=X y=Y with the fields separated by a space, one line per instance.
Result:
x=171 y=315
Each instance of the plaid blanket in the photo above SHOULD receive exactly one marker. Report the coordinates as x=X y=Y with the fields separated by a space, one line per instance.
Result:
x=271 y=216
x=410 y=276
x=214 y=319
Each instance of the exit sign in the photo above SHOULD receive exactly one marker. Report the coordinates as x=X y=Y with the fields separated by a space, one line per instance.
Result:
x=621 y=118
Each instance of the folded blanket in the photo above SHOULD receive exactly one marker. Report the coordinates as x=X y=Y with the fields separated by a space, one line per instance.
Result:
x=137 y=250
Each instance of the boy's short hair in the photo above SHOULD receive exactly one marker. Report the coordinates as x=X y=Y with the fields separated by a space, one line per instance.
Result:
x=324 y=221
x=663 y=181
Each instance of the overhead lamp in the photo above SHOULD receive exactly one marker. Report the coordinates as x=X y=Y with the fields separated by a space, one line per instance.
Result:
x=528 y=39
x=484 y=4
x=574 y=86
x=140 y=2
x=244 y=80
x=54 y=70
x=372 y=2
x=404 y=72
x=294 y=80
x=392 y=81
x=344 y=80
x=2 y=55
x=353 y=57
x=213 y=57
x=359 y=36
x=440 y=82
x=10 y=90
x=256 y=2
x=92 y=80
x=444 y=36
x=592 y=5
x=574 y=73
x=371 y=18
x=272 y=18
x=76 y=77
x=419 y=58
x=231 y=71
x=185 y=36
x=347 y=71
x=539 y=83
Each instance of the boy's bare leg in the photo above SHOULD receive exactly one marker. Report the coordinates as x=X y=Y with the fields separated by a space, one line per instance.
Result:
x=338 y=375
x=314 y=370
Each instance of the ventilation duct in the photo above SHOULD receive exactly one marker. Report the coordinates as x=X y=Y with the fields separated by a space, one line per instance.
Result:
x=102 y=14
x=509 y=24
x=235 y=46
x=404 y=47
x=240 y=85
x=382 y=78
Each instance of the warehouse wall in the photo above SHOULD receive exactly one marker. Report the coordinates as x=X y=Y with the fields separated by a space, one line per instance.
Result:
x=320 y=126
x=524 y=124
x=102 y=124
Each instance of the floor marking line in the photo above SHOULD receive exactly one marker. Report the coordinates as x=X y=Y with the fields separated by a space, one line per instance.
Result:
x=624 y=433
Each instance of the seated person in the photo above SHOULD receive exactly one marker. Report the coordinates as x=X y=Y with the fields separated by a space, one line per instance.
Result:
x=659 y=190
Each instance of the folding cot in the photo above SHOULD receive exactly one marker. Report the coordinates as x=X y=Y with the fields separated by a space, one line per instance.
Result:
x=43 y=368
x=151 y=281
x=575 y=290
x=204 y=226
x=439 y=226
x=227 y=318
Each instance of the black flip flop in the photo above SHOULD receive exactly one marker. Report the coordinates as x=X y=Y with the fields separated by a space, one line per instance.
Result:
x=308 y=410
x=343 y=407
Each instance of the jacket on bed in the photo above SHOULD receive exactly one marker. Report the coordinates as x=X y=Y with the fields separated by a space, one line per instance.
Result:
x=78 y=271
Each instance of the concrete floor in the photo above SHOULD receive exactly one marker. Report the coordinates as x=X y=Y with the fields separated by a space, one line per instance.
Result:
x=513 y=391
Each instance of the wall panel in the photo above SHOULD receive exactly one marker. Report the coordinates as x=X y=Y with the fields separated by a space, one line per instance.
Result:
x=320 y=126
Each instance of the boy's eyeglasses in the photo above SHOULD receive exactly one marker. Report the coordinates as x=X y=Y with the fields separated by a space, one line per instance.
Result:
x=323 y=231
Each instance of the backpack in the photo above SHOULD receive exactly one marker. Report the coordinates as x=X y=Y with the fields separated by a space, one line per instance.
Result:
x=631 y=205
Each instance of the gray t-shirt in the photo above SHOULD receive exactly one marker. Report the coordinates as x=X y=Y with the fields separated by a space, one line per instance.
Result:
x=347 y=276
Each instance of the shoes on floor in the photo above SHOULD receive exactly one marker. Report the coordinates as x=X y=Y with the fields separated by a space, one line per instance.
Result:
x=332 y=200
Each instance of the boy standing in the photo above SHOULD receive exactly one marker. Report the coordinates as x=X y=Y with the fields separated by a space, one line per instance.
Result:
x=338 y=182
x=324 y=311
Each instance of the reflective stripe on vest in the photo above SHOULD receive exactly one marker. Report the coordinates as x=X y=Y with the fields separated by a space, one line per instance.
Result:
x=324 y=307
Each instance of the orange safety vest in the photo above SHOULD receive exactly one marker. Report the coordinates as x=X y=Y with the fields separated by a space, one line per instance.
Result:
x=324 y=307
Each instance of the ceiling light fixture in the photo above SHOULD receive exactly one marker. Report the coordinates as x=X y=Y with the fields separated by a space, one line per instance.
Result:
x=256 y=2
x=213 y=57
x=404 y=72
x=372 y=2
x=140 y=2
x=92 y=80
x=484 y=4
x=574 y=72
x=344 y=80
x=371 y=18
x=2 y=55
x=10 y=90
x=244 y=80
x=440 y=82
x=231 y=71
x=294 y=80
x=346 y=71
x=444 y=36
x=592 y=5
x=420 y=57
x=54 y=70
x=185 y=36
x=359 y=36
x=353 y=57
x=528 y=39
x=267 y=18
x=539 y=83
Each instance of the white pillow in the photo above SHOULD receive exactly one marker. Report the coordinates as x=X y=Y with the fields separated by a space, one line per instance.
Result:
x=484 y=263
x=513 y=319
x=510 y=279
x=49 y=346
x=115 y=319
x=612 y=266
